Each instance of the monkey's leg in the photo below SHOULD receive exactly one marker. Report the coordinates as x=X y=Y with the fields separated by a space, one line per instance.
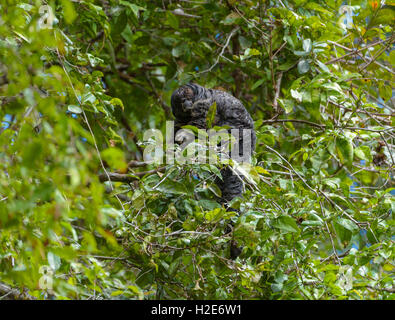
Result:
x=231 y=186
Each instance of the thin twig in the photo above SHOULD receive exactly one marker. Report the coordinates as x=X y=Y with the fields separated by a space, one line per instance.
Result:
x=357 y=51
x=120 y=177
x=277 y=94
x=222 y=51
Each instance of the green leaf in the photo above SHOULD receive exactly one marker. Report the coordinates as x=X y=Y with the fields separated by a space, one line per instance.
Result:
x=286 y=104
x=307 y=45
x=300 y=53
x=345 y=150
x=334 y=87
x=211 y=113
x=286 y=224
x=115 y=158
x=145 y=277
x=209 y=204
x=347 y=224
x=287 y=65
x=251 y=52
x=363 y=153
x=88 y=97
x=180 y=50
x=384 y=16
x=322 y=66
x=174 y=266
x=135 y=8
x=69 y=13
x=172 y=187
x=53 y=261
x=214 y=215
x=392 y=57
x=312 y=223
x=257 y=84
x=117 y=102
x=74 y=109
x=296 y=95
x=172 y=20
x=231 y=18
x=385 y=92
x=303 y=66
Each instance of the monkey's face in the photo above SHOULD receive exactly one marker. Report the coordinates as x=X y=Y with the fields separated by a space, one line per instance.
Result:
x=182 y=102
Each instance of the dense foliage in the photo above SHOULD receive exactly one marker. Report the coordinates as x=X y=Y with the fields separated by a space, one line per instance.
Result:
x=78 y=90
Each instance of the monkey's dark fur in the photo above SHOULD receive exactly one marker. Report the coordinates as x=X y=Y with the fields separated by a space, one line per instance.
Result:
x=190 y=104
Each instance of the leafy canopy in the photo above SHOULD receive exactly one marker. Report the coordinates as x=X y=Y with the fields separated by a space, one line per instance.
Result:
x=79 y=87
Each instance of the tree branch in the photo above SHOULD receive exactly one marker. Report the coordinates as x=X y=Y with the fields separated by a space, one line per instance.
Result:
x=353 y=52
x=322 y=126
x=121 y=177
x=222 y=51
x=6 y=292
x=277 y=94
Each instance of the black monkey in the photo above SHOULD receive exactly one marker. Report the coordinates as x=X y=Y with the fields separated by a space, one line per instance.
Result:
x=190 y=104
